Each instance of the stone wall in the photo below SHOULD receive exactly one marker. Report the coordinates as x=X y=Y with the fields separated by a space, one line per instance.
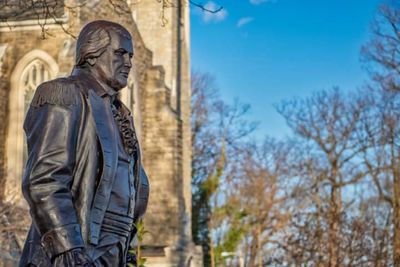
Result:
x=169 y=41
x=159 y=98
x=15 y=216
x=4 y=83
x=19 y=43
x=160 y=159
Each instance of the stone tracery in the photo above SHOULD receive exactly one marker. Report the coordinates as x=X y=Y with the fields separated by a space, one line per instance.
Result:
x=31 y=70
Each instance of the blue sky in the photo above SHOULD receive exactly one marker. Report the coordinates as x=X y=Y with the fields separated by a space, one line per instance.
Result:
x=264 y=51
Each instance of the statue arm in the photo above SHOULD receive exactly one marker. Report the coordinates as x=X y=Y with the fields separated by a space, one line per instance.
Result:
x=51 y=128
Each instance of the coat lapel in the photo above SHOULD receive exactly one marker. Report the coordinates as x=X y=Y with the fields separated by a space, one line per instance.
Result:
x=102 y=115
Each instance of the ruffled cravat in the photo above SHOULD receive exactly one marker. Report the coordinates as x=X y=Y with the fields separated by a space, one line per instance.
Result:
x=126 y=131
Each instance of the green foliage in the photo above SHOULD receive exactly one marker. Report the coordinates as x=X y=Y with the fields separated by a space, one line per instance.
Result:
x=141 y=232
x=141 y=262
x=210 y=185
x=218 y=132
x=233 y=238
x=236 y=228
x=202 y=210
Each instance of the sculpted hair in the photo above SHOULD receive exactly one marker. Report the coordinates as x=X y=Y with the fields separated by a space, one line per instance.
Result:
x=94 y=39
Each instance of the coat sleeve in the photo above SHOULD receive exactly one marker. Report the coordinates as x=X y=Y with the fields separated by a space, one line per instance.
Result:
x=141 y=204
x=51 y=127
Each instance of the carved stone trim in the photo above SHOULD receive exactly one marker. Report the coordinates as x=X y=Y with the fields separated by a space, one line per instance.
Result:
x=3 y=48
x=34 y=24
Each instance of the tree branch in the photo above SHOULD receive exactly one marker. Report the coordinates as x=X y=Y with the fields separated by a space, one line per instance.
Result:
x=203 y=8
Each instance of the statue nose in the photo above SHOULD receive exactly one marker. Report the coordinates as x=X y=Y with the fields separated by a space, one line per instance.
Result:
x=128 y=62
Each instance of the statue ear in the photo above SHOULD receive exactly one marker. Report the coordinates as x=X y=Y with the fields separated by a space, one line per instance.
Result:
x=91 y=61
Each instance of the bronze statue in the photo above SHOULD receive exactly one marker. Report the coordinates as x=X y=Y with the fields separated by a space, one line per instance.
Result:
x=84 y=180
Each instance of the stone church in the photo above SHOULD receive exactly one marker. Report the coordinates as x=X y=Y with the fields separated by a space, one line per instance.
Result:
x=158 y=93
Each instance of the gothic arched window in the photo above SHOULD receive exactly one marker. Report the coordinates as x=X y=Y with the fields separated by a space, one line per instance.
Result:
x=33 y=69
x=34 y=74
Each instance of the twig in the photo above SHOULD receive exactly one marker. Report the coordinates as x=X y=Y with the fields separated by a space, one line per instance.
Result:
x=202 y=7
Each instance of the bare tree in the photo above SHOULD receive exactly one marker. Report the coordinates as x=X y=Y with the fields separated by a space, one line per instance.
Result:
x=382 y=53
x=262 y=192
x=327 y=122
x=379 y=139
x=13 y=229
x=218 y=133
x=380 y=134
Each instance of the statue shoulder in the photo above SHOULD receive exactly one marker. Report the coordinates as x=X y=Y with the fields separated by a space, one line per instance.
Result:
x=61 y=91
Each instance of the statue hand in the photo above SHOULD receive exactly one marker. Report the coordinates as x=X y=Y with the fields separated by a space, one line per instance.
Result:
x=75 y=257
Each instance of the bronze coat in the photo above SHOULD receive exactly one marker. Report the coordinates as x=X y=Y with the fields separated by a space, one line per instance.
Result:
x=72 y=159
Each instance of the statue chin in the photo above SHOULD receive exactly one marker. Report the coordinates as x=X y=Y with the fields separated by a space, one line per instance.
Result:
x=118 y=85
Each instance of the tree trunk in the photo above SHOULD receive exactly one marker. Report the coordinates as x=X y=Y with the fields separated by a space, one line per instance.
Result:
x=254 y=249
x=396 y=220
x=212 y=253
x=333 y=228
x=259 y=247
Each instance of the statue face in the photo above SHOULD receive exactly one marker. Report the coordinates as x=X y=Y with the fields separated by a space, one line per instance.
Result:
x=114 y=64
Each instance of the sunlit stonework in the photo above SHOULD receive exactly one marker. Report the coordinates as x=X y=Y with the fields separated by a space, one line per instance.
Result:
x=158 y=95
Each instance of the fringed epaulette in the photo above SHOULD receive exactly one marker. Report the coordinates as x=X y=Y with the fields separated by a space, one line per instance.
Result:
x=62 y=91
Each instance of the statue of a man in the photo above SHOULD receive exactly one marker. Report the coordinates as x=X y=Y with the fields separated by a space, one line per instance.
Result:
x=84 y=180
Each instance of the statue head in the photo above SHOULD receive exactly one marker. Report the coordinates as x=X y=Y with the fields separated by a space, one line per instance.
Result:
x=105 y=49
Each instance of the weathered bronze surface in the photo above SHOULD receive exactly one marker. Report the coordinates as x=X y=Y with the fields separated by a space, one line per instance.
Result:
x=84 y=180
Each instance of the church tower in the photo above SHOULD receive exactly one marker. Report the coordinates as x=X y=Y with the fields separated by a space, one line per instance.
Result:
x=166 y=32
x=158 y=93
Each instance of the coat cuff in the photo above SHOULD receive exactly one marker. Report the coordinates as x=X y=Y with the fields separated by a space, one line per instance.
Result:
x=62 y=239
